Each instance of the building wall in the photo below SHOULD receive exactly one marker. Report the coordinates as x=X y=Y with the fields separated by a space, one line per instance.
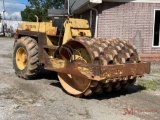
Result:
x=128 y=21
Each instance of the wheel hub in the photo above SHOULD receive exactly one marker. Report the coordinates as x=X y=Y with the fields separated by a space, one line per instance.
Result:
x=21 y=58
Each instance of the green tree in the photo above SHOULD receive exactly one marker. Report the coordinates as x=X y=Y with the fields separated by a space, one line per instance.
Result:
x=39 y=8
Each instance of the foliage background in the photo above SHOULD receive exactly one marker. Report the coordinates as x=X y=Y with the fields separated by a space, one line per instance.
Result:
x=39 y=8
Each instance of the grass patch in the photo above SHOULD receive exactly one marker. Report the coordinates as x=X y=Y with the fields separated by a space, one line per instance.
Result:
x=148 y=84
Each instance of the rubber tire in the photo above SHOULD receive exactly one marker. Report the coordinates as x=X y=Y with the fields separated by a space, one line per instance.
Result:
x=31 y=48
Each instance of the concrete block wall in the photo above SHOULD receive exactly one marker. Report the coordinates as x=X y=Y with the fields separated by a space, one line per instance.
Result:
x=127 y=21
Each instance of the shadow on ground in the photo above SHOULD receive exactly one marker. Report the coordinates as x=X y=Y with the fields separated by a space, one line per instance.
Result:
x=46 y=74
x=50 y=75
x=109 y=95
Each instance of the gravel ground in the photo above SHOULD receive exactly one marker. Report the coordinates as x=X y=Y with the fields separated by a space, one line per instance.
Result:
x=44 y=98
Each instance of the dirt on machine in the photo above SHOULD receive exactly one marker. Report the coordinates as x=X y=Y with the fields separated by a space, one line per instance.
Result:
x=84 y=65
